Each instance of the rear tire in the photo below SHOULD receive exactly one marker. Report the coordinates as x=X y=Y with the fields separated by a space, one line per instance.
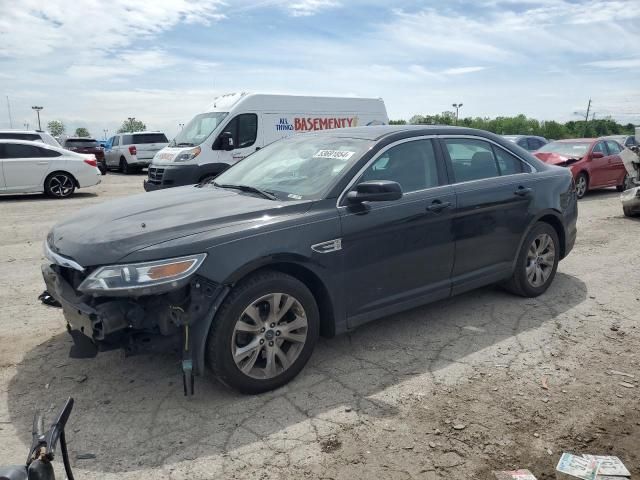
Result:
x=264 y=333
x=582 y=185
x=537 y=262
x=59 y=185
x=124 y=166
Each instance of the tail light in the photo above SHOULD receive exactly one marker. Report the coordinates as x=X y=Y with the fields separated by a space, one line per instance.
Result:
x=91 y=161
x=133 y=150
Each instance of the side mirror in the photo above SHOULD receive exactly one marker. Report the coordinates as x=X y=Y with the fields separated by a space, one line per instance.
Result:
x=597 y=155
x=375 y=191
x=226 y=141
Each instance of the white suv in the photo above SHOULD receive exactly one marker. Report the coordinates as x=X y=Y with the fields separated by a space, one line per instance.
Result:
x=130 y=152
x=30 y=135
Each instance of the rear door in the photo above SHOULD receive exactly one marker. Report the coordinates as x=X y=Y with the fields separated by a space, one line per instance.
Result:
x=2 y=182
x=110 y=152
x=148 y=144
x=494 y=192
x=399 y=253
x=25 y=166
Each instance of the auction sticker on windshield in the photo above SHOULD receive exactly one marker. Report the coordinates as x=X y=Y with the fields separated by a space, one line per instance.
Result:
x=336 y=154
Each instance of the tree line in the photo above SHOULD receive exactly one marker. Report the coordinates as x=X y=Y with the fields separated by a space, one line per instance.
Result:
x=57 y=128
x=522 y=125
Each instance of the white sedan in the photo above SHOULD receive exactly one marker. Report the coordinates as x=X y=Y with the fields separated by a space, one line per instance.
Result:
x=30 y=167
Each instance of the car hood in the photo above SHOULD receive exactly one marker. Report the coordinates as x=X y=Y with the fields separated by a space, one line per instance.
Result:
x=554 y=158
x=107 y=232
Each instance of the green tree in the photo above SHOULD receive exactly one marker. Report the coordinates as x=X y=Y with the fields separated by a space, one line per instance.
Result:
x=397 y=122
x=132 y=125
x=82 y=132
x=56 y=127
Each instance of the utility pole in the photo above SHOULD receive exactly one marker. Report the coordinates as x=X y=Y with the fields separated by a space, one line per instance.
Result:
x=457 y=106
x=105 y=133
x=586 y=118
x=131 y=119
x=37 y=109
x=26 y=125
x=9 y=110
x=181 y=125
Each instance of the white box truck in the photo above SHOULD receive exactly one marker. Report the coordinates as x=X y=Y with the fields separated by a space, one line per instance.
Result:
x=238 y=124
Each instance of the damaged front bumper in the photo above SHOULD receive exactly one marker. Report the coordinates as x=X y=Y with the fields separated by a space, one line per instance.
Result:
x=631 y=200
x=177 y=321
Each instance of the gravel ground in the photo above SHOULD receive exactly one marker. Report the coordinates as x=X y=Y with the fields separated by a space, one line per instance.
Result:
x=452 y=390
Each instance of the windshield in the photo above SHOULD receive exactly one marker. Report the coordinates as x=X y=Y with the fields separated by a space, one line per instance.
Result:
x=198 y=129
x=81 y=143
x=297 y=168
x=568 y=149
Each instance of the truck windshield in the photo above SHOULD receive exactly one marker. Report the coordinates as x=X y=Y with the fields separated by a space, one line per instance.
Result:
x=302 y=167
x=198 y=129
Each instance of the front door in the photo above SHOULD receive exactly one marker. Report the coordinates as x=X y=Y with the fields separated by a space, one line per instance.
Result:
x=399 y=254
x=616 y=167
x=599 y=174
x=244 y=132
x=494 y=191
x=24 y=167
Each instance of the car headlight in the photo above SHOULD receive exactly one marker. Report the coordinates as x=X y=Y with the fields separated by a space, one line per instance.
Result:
x=188 y=155
x=142 y=278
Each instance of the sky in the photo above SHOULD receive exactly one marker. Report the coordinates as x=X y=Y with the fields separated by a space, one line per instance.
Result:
x=93 y=63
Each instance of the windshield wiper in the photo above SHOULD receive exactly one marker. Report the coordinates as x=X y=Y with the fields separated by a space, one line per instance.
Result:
x=248 y=188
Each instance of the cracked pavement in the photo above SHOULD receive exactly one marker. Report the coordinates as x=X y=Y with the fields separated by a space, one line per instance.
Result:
x=449 y=390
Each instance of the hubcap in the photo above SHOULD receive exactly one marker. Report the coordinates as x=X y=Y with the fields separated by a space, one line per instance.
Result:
x=541 y=258
x=581 y=186
x=61 y=185
x=269 y=336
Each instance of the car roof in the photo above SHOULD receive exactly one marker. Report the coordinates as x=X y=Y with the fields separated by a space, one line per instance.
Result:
x=88 y=139
x=567 y=140
x=14 y=130
x=35 y=143
x=378 y=132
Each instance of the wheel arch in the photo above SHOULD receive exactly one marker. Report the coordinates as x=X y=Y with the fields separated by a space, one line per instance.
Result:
x=299 y=268
x=73 y=177
x=553 y=218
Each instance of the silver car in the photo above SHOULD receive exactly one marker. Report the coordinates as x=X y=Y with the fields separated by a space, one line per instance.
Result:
x=130 y=152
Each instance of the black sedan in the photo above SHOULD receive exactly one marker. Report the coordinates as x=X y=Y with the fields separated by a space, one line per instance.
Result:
x=312 y=235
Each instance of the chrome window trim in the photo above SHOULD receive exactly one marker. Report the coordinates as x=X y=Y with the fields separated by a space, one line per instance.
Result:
x=471 y=137
x=376 y=157
x=434 y=137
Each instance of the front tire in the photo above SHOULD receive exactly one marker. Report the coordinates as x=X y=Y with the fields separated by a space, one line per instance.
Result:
x=59 y=185
x=537 y=262
x=264 y=333
x=582 y=185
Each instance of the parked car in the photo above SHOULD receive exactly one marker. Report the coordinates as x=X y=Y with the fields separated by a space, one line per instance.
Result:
x=88 y=146
x=628 y=141
x=29 y=167
x=131 y=152
x=313 y=234
x=31 y=135
x=238 y=124
x=530 y=143
x=594 y=162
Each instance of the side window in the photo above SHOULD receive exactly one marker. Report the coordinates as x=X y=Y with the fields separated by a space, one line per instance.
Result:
x=523 y=143
x=600 y=148
x=247 y=130
x=116 y=141
x=613 y=147
x=412 y=164
x=471 y=159
x=534 y=144
x=509 y=164
x=631 y=141
x=15 y=150
x=45 y=152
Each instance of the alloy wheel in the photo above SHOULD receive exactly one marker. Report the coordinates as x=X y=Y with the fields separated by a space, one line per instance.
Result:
x=581 y=186
x=61 y=185
x=541 y=258
x=269 y=335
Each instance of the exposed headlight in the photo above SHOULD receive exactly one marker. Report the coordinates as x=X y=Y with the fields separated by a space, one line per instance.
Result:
x=188 y=155
x=143 y=278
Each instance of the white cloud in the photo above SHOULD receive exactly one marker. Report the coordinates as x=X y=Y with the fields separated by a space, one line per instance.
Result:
x=462 y=70
x=305 y=8
x=619 y=63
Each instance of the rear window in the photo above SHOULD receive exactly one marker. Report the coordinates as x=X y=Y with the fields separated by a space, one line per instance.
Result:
x=20 y=136
x=81 y=143
x=140 y=138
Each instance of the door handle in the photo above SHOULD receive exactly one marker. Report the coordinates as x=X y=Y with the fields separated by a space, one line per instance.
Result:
x=437 y=206
x=523 y=191
x=43 y=163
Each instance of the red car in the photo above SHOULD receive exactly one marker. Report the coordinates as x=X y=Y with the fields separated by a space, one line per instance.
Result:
x=87 y=145
x=594 y=162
